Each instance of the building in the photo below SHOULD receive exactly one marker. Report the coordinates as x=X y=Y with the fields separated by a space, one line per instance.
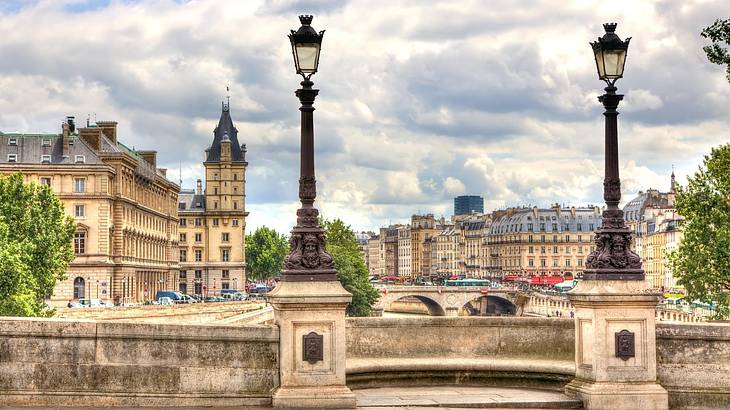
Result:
x=423 y=227
x=390 y=248
x=472 y=233
x=211 y=250
x=468 y=204
x=125 y=209
x=534 y=242
x=362 y=242
x=404 y=251
x=635 y=209
x=446 y=253
x=375 y=256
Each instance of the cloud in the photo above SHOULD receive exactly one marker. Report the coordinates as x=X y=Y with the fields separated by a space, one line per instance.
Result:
x=418 y=101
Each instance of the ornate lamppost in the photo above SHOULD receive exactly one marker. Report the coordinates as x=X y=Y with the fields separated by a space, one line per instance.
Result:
x=612 y=259
x=615 y=333
x=307 y=260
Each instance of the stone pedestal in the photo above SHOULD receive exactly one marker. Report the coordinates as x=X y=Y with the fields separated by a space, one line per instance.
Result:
x=311 y=320
x=615 y=346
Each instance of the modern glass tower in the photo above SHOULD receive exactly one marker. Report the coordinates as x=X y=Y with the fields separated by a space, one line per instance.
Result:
x=466 y=204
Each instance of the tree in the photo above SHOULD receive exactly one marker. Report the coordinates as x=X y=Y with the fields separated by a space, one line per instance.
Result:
x=702 y=260
x=351 y=269
x=35 y=246
x=265 y=252
x=717 y=52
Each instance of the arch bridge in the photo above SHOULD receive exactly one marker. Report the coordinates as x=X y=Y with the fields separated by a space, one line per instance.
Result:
x=449 y=300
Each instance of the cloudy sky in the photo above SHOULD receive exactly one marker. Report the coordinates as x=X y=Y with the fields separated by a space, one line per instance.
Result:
x=420 y=100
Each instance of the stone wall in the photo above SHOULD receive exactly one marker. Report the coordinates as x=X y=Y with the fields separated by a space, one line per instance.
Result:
x=55 y=362
x=693 y=364
x=514 y=351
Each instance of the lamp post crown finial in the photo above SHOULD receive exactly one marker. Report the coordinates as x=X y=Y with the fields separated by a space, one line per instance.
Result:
x=610 y=27
x=306 y=19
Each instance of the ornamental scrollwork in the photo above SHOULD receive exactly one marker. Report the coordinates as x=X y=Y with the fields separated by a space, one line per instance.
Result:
x=613 y=252
x=612 y=189
x=308 y=252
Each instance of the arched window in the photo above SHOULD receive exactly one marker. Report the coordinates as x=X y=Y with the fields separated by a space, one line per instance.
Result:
x=79 y=288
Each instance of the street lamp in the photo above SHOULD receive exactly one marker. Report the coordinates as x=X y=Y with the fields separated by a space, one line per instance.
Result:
x=307 y=260
x=612 y=259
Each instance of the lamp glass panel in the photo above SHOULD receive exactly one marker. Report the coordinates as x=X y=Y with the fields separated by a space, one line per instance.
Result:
x=599 y=65
x=613 y=59
x=307 y=56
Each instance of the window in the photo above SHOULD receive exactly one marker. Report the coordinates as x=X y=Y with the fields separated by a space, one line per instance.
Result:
x=46 y=181
x=198 y=222
x=529 y=238
x=567 y=263
x=542 y=249
x=183 y=222
x=225 y=274
x=12 y=157
x=215 y=221
x=198 y=255
x=225 y=255
x=225 y=285
x=198 y=237
x=580 y=262
x=555 y=227
x=235 y=205
x=590 y=227
x=46 y=159
x=542 y=227
x=235 y=222
x=183 y=288
x=567 y=238
x=183 y=237
x=79 y=159
x=542 y=238
x=46 y=142
x=215 y=205
x=543 y=262
x=198 y=274
x=183 y=274
x=580 y=227
x=555 y=249
x=80 y=243
x=80 y=211
x=530 y=249
x=529 y=227
x=555 y=263
x=183 y=255
x=198 y=288
x=215 y=191
x=555 y=238
x=79 y=184
x=580 y=238
x=79 y=288
x=225 y=237
x=13 y=141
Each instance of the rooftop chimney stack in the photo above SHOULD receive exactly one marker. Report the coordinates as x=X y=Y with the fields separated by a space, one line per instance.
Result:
x=199 y=189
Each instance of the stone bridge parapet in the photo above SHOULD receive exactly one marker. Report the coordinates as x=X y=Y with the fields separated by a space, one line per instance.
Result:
x=446 y=300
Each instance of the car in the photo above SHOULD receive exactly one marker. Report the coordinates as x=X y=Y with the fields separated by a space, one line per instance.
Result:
x=176 y=297
x=189 y=299
x=165 y=301
x=84 y=303
x=233 y=296
x=214 y=299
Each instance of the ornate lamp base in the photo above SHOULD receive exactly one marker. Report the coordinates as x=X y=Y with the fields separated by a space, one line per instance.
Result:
x=613 y=258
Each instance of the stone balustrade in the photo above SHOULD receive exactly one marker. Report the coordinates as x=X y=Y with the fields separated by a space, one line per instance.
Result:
x=56 y=362
x=514 y=351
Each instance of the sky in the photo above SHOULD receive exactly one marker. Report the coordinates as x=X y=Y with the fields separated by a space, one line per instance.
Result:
x=419 y=101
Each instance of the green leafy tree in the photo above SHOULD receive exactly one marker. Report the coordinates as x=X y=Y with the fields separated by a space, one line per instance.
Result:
x=35 y=246
x=717 y=52
x=702 y=260
x=351 y=269
x=265 y=252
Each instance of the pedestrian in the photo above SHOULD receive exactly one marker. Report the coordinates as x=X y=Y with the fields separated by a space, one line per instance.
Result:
x=69 y=303
x=572 y=314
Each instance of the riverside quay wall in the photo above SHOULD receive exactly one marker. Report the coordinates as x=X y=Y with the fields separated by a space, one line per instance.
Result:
x=60 y=362
x=56 y=362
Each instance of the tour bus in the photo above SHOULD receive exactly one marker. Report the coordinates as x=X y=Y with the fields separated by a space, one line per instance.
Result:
x=468 y=282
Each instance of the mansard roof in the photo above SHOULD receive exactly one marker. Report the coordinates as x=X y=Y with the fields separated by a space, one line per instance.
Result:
x=225 y=130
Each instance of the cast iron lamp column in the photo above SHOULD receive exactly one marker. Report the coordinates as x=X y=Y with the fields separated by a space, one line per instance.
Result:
x=612 y=259
x=307 y=260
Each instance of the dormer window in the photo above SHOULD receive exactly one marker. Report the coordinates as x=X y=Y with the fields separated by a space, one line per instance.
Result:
x=13 y=141
x=46 y=142
x=12 y=157
x=80 y=159
x=46 y=159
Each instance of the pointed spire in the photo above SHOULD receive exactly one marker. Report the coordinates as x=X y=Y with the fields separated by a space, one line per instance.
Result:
x=225 y=131
x=673 y=185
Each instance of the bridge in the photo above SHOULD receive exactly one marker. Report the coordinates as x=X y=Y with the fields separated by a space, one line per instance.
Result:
x=449 y=300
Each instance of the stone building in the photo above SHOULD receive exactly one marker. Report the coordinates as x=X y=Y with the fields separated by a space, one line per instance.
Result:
x=404 y=251
x=423 y=227
x=657 y=233
x=473 y=231
x=389 y=240
x=375 y=256
x=446 y=251
x=124 y=206
x=213 y=219
x=533 y=242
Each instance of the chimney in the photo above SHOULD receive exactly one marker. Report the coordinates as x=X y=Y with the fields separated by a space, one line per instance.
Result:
x=65 y=137
x=109 y=128
x=92 y=136
x=150 y=157
x=163 y=171
x=199 y=189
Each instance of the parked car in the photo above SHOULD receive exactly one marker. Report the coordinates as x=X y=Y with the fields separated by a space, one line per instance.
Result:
x=189 y=299
x=233 y=296
x=176 y=297
x=84 y=303
x=165 y=301
x=214 y=299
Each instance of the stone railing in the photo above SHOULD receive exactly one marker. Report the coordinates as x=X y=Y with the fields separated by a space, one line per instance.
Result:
x=55 y=362
x=514 y=351
x=202 y=313
x=693 y=364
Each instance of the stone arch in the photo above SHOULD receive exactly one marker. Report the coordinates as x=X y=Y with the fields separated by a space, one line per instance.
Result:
x=490 y=305
x=434 y=307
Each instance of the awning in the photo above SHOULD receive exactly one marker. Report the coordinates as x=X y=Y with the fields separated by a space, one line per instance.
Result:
x=545 y=280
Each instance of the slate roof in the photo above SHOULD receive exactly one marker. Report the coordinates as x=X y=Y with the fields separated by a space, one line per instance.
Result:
x=30 y=147
x=188 y=200
x=225 y=128
x=523 y=218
